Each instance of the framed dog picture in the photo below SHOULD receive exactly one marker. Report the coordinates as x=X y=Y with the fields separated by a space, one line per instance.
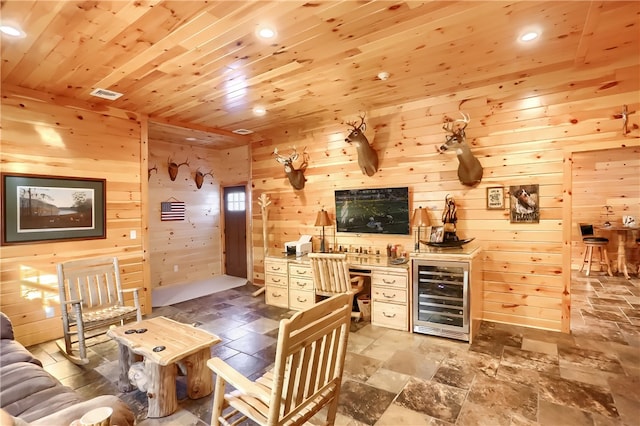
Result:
x=525 y=204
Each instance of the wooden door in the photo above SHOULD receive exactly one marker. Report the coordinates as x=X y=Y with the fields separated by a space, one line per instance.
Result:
x=235 y=231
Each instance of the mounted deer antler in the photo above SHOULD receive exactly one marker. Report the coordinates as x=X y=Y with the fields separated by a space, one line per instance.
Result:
x=367 y=156
x=199 y=178
x=150 y=170
x=469 y=168
x=296 y=177
x=173 y=168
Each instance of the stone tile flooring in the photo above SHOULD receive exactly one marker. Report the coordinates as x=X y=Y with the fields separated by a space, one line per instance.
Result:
x=509 y=376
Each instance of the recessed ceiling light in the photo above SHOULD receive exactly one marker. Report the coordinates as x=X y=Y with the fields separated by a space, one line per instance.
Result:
x=259 y=110
x=190 y=139
x=266 y=32
x=383 y=75
x=529 y=36
x=242 y=131
x=12 y=30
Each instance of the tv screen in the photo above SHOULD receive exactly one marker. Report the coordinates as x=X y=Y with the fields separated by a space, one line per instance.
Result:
x=373 y=211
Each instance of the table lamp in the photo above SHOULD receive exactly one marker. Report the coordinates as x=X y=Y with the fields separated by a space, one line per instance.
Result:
x=322 y=220
x=420 y=218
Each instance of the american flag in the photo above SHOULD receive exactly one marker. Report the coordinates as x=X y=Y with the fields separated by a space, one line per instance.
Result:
x=172 y=210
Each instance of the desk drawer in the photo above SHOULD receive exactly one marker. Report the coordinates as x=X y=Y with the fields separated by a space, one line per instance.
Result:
x=275 y=279
x=277 y=296
x=276 y=267
x=389 y=280
x=296 y=283
x=300 y=299
x=389 y=294
x=389 y=315
x=298 y=270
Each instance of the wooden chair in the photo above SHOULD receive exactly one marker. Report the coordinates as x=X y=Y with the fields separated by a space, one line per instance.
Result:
x=91 y=299
x=331 y=276
x=305 y=378
x=591 y=241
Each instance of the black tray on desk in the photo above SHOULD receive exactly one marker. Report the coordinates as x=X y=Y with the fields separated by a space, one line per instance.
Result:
x=449 y=244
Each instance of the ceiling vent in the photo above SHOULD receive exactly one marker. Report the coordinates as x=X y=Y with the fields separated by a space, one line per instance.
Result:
x=242 y=132
x=106 y=94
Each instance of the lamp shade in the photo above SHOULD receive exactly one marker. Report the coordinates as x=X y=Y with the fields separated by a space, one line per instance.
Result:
x=323 y=218
x=420 y=217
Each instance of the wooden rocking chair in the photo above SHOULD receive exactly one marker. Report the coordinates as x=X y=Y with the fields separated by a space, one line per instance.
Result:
x=91 y=299
x=306 y=377
x=331 y=276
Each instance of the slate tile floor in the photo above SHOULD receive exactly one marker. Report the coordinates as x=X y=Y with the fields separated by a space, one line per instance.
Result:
x=509 y=376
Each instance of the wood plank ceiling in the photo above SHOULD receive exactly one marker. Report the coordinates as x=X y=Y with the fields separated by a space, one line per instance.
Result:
x=198 y=69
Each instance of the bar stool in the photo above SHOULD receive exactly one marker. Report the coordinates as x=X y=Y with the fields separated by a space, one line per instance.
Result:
x=591 y=241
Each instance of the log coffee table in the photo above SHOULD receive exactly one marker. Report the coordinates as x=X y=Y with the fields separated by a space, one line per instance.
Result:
x=165 y=344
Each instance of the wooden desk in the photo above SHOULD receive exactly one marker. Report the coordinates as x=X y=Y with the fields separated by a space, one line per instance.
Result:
x=622 y=232
x=184 y=345
x=289 y=284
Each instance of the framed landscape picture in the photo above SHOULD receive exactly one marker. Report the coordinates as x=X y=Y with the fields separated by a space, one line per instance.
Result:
x=39 y=208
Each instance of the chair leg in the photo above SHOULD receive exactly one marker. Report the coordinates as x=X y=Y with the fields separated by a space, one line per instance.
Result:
x=332 y=411
x=590 y=256
x=584 y=258
x=218 y=401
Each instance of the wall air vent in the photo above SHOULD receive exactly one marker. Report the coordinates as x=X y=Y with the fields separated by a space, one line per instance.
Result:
x=242 y=132
x=106 y=94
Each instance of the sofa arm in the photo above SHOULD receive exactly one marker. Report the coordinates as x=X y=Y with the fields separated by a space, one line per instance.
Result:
x=6 y=328
x=122 y=414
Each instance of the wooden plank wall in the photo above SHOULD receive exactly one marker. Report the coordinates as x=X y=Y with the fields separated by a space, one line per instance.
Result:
x=617 y=172
x=522 y=130
x=61 y=137
x=195 y=245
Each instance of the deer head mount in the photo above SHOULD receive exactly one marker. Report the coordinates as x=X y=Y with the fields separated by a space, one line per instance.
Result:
x=296 y=177
x=367 y=156
x=150 y=170
x=469 y=168
x=173 y=168
x=199 y=178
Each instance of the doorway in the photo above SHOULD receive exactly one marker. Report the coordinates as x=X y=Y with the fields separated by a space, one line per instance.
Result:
x=235 y=231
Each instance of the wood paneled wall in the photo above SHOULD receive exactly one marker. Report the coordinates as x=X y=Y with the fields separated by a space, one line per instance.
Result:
x=617 y=173
x=62 y=137
x=194 y=245
x=524 y=131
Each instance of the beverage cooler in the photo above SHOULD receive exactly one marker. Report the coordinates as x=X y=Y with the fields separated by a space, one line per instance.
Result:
x=441 y=298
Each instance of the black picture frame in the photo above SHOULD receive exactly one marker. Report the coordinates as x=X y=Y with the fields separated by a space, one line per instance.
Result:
x=41 y=208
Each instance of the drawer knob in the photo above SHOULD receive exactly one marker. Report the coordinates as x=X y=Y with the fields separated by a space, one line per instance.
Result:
x=301 y=284
x=389 y=297
x=388 y=282
x=301 y=300
x=275 y=268
x=301 y=272
x=275 y=280
x=388 y=316
x=276 y=295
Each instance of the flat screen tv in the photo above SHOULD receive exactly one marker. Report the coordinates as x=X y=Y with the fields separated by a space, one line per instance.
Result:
x=373 y=211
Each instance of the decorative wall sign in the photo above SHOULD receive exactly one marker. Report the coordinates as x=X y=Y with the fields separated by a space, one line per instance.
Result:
x=495 y=198
x=172 y=210
x=39 y=208
x=525 y=207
